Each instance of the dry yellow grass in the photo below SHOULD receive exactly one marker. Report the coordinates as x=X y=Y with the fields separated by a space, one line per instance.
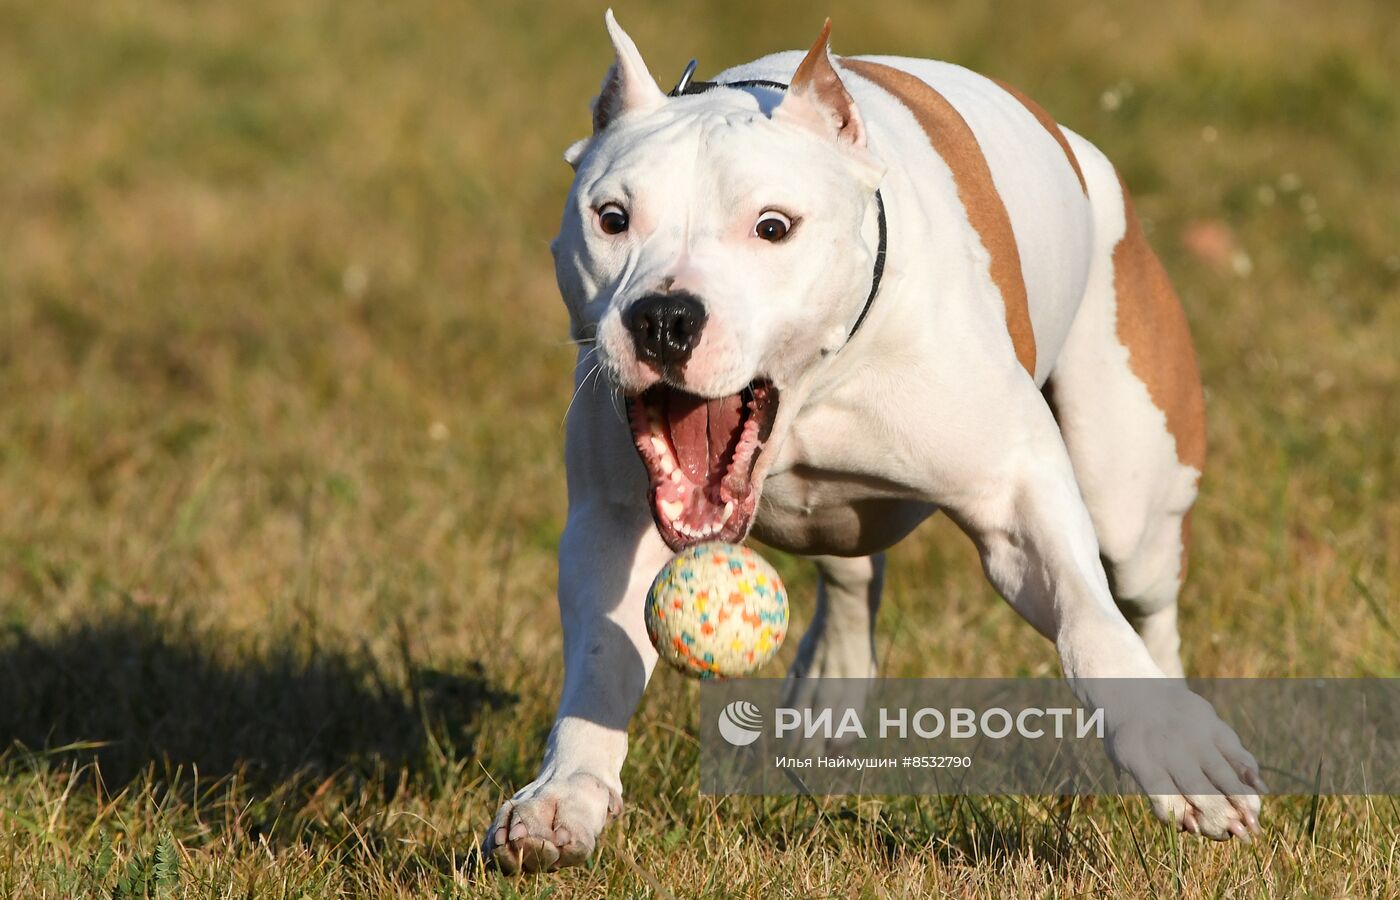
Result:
x=283 y=370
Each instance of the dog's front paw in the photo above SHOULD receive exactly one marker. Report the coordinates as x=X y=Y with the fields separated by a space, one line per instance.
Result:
x=1200 y=778
x=551 y=823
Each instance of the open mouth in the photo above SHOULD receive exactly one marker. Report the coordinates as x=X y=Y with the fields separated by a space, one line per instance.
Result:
x=700 y=454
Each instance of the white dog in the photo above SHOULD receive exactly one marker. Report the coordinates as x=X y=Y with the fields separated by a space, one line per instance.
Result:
x=838 y=294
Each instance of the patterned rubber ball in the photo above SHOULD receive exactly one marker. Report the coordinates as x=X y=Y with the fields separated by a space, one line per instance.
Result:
x=717 y=610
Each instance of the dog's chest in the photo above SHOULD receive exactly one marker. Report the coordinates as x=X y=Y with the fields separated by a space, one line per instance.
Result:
x=826 y=496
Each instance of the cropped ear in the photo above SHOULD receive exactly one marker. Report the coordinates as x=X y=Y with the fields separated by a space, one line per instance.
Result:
x=818 y=100
x=628 y=86
x=574 y=154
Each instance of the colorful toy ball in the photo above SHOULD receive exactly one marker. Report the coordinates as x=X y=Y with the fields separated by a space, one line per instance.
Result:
x=717 y=610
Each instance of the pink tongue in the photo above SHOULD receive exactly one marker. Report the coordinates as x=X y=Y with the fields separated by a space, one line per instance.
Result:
x=702 y=431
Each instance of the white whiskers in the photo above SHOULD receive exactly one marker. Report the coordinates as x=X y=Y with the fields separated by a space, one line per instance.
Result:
x=593 y=371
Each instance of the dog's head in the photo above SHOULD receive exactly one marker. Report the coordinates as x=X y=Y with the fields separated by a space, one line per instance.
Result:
x=715 y=250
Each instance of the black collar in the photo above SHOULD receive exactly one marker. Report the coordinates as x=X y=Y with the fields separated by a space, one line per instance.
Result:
x=687 y=85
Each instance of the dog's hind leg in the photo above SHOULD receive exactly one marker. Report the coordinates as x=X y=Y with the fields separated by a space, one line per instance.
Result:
x=1127 y=395
x=840 y=642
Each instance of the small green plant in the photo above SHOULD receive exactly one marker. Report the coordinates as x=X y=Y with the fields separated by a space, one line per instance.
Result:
x=149 y=876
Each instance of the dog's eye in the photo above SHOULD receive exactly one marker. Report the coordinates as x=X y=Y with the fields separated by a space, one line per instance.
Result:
x=772 y=226
x=612 y=219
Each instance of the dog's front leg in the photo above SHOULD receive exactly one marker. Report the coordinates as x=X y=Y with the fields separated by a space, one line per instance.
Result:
x=607 y=558
x=1039 y=550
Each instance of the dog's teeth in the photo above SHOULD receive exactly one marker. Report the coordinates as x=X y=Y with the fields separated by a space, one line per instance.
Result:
x=671 y=509
x=669 y=468
x=728 y=511
x=658 y=444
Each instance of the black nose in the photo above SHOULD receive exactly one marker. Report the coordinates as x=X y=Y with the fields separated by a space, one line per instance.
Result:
x=666 y=327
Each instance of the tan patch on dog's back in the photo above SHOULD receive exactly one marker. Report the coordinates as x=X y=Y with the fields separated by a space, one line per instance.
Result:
x=1152 y=325
x=953 y=140
x=1051 y=126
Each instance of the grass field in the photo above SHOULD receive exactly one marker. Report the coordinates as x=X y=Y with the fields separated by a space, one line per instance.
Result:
x=282 y=373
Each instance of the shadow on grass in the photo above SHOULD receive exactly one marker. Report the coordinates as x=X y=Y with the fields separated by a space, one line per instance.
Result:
x=154 y=695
